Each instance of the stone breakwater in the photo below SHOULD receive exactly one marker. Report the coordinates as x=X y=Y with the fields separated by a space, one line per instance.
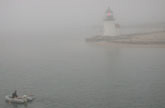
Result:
x=152 y=38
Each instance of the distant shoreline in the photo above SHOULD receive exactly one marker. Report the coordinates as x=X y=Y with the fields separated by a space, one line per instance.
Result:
x=129 y=45
x=153 y=39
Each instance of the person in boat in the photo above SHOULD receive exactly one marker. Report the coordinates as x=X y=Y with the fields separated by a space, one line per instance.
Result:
x=14 y=94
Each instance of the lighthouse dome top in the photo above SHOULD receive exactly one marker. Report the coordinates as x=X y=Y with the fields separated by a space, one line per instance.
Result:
x=108 y=10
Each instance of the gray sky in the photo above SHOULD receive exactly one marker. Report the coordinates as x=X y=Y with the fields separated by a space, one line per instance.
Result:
x=33 y=15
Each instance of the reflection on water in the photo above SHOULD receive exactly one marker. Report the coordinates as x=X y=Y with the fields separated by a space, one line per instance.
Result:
x=73 y=74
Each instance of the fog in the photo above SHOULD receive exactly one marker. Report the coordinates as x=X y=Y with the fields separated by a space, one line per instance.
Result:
x=43 y=54
x=59 y=16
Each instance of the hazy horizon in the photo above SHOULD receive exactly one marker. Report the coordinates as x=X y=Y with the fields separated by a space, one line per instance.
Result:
x=58 y=15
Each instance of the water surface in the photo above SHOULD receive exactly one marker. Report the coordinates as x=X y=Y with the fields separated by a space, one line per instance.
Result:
x=69 y=73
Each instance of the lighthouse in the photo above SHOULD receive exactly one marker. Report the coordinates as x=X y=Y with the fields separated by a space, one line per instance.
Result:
x=110 y=27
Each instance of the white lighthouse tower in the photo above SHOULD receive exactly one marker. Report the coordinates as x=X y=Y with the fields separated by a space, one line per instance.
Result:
x=110 y=27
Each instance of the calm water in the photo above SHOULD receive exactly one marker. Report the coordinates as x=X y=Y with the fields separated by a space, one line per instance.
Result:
x=69 y=73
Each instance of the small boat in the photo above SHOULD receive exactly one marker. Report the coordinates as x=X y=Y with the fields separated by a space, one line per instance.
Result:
x=20 y=100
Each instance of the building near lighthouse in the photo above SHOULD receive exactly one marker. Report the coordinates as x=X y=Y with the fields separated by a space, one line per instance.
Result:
x=110 y=27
